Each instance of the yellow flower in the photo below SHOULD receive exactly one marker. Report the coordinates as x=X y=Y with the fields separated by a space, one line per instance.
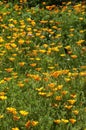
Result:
x=16 y=128
x=73 y=95
x=65 y=121
x=42 y=51
x=80 y=42
x=55 y=49
x=54 y=27
x=20 y=84
x=42 y=93
x=11 y=110
x=62 y=55
x=58 y=35
x=23 y=113
x=71 y=35
x=68 y=47
x=8 y=47
x=2 y=81
x=38 y=34
x=67 y=79
x=38 y=59
x=33 y=23
x=49 y=94
x=71 y=29
x=38 y=69
x=45 y=45
x=3 y=97
x=1 y=116
x=81 y=31
x=36 y=77
x=51 y=67
x=39 y=89
x=11 y=25
x=14 y=55
x=21 y=41
x=57 y=121
x=13 y=45
x=71 y=101
x=59 y=87
x=83 y=73
x=68 y=107
x=11 y=58
x=75 y=74
x=44 y=3
x=81 y=18
x=64 y=92
x=1 y=39
x=75 y=112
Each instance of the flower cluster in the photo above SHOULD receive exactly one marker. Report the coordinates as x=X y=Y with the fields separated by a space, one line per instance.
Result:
x=42 y=66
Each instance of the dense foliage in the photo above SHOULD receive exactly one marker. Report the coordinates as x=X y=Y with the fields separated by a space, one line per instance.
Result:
x=32 y=3
x=42 y=67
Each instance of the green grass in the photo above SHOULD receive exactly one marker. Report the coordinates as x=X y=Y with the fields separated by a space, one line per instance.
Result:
x=42 y=68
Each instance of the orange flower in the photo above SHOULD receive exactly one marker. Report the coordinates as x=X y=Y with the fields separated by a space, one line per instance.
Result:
x=2 y=93
x=74 y=56
x=21 y=63
x=21 y=41
x=16 y=118
x=38 y=69
x=33 y=64
x=58 y=98
x=83 y=73
x=9 y=70
x=36 y=77
x=20 y=84
x=44 y=3
x=72 y=120
x=73 y=95
x=80 y=42
x=28 y=124
x=34 y=123
x=51 y=85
